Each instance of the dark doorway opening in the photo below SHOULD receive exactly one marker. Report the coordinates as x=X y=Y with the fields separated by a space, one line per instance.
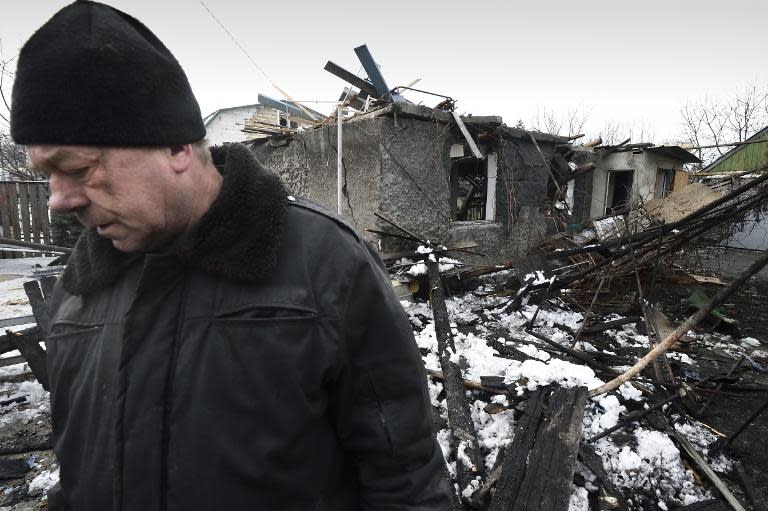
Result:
x=619 y=191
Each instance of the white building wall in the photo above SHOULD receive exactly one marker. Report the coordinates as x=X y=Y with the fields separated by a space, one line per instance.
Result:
x=645 y=165
x=226 y=126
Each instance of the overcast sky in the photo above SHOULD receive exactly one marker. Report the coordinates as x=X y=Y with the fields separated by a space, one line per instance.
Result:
x=629 y=62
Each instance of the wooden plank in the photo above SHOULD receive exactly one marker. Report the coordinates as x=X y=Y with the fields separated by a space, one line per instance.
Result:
x=4 y=211
x=26 y=228
x=19 y=320
x=41 y=210
x=43 y=197
x=34 y=197
x=552 y=461
x=12 y=361
x=13 y=209
x=365 y=86
x=13 y=202
x=13 y=469
x=10 y=209
x=470 y=141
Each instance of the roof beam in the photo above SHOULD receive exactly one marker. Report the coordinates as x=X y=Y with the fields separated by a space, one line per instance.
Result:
x=364 y=85
x=375 y=76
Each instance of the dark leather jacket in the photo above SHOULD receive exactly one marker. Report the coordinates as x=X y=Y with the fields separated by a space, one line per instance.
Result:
x=265 y=364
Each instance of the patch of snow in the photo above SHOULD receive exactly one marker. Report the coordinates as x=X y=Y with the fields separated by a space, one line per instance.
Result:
x=471 y=488
x=750 y=342
x=37 y=402
x=579 y=499
x=43 y=481
x=493 y=430
x=538 y=373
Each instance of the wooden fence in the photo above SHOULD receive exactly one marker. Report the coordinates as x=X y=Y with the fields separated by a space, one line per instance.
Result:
x=24 y=214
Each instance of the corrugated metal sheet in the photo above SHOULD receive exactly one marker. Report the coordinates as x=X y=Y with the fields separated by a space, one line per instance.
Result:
x=742 y=158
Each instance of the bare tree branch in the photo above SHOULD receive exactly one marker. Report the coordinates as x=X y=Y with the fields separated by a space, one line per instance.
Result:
x=713 y=121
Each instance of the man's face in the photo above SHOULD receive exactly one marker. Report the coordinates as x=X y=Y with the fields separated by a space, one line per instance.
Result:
x=126 y=194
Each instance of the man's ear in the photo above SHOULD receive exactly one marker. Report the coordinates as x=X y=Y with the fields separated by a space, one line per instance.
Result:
x=180 y=157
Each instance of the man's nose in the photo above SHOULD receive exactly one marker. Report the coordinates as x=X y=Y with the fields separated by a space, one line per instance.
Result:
x=66 y=194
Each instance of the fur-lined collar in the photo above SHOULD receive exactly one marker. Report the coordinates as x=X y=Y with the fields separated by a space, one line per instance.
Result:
x=237 y=238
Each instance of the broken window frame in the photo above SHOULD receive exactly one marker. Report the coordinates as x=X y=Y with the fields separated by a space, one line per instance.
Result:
x=485 y=178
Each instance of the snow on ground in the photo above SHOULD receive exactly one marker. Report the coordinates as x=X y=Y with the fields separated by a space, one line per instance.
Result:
x=642 y=461
x=44 y=481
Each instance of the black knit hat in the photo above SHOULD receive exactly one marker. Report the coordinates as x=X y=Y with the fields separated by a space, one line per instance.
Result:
x=93 y=75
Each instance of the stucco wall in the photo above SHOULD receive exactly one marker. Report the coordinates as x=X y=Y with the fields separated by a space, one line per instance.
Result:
x=307 y=164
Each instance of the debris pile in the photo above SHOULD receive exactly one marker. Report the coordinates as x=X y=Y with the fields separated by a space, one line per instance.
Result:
x=544 y=432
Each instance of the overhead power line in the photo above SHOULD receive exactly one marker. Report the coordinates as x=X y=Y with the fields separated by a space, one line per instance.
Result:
x=261 y=70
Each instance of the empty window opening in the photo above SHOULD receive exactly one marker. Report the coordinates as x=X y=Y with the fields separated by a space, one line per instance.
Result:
x=619 y=191
x=665 y=182
x=468 y=189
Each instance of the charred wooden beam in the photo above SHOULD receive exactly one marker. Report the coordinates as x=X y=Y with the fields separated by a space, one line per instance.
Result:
x=601 y=327
x=47 y=284
x=39 y=307
x=34 y=355
x=516 y=455
x=464 y=442
x=5 y=340
x=538 y=467
x=552 y=461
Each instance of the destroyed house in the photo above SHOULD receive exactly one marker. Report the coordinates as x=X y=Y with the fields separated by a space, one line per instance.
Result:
x=632 y=173
x=468 y=181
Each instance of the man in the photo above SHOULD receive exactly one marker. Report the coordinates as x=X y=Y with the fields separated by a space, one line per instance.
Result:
x=215 y=343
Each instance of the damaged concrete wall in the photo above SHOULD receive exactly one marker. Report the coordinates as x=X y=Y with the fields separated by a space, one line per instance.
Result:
x=525 y=170
x=415 y=174
x=400 y=167
x=307 y=165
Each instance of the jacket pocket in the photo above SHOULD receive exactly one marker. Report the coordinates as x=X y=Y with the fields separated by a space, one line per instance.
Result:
x=264 y=315
x=67 y=328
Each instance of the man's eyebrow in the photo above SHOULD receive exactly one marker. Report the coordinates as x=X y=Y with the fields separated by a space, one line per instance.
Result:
x=60 y=155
